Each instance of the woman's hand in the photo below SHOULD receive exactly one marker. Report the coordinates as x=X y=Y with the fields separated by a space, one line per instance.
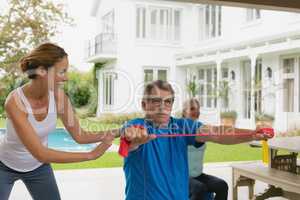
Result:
x=102 y=147
x=108 y=138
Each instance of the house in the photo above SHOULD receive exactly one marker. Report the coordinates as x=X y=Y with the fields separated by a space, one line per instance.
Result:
x=254 y=54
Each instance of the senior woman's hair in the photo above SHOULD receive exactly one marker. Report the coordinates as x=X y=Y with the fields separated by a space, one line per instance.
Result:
x=188 y=103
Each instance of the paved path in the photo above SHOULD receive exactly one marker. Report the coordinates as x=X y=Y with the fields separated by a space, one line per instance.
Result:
x=108 y=184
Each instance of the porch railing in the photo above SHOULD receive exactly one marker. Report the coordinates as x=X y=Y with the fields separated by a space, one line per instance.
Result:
x=103 y=43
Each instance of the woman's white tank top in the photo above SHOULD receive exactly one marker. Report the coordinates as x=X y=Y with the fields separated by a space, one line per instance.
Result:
x=13 y=153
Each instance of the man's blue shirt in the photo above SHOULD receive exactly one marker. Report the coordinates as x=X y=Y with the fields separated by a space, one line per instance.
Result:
x=158 y=170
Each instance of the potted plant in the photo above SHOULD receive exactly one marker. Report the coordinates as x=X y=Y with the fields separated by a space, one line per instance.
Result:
x=263 y=119
x=223 y=93
x=228 y=118
x=192 y=88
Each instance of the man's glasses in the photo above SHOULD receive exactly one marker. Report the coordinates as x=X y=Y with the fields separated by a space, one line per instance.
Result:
x=157 y=101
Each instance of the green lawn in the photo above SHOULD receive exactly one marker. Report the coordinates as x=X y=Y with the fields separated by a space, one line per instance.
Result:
x=2 y=123
x=226 y=153
x=108 y=160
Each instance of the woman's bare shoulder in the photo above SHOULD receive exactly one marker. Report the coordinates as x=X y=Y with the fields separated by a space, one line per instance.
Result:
x=14 y=103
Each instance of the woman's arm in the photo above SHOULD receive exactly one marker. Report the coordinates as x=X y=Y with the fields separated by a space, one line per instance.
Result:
x=71 y=123
x=16 y=112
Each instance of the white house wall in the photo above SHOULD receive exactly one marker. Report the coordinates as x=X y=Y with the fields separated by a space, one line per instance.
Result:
x=235 y=29
x=133 y=55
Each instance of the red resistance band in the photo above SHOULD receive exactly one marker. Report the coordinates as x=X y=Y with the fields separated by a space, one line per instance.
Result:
x=124 y=144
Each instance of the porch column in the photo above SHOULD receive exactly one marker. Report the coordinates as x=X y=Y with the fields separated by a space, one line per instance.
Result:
x=252 y=111
x=99 y=77
x=219 y=72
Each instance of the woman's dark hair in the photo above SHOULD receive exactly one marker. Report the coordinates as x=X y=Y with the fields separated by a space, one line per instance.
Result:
x=45 y=55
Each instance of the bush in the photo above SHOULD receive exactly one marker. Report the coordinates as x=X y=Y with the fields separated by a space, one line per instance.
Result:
x=263 y=117
x=79 y=88
x=79 y=95
x=8 y=84
x=229 y=114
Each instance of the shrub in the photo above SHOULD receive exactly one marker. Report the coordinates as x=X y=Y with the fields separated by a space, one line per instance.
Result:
x=229 y=114
x=263 y=117
x=79 y=88
x=8 y=84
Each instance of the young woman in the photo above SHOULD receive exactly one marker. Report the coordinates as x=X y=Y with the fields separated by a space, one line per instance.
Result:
x=32 y=111
x=200 y=183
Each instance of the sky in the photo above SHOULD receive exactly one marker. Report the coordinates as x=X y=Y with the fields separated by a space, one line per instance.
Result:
x=73 y=39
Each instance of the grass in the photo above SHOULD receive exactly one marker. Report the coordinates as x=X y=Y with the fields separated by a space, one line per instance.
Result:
x=2 y=123
x=227 y=153
x=108 y=160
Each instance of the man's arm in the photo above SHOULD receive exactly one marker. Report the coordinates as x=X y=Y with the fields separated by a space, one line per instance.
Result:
x=227 y=135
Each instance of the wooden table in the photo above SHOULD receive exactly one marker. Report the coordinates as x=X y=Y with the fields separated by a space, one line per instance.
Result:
x=288 y=144
x=281 y=173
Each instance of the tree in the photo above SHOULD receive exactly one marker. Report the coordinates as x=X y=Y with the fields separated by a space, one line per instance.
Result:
x=26 y=24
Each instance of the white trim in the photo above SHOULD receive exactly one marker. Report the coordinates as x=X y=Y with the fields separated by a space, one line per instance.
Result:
x=263 y=45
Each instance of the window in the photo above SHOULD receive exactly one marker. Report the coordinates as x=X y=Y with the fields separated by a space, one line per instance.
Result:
x=148 y=75
x=288 y=65
x=252 y=14
x=141 y=22
x=108 y=22
x=207 y=79
x=108 y=88
x=225 y=74
x=246 y=89
x=291 y=97
x=162 y=75
x=258 y=87
x=160 y=24
x=152 y=74
x=210 y=21
x=288 y=95
x=224 y=88
x=177 y=25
